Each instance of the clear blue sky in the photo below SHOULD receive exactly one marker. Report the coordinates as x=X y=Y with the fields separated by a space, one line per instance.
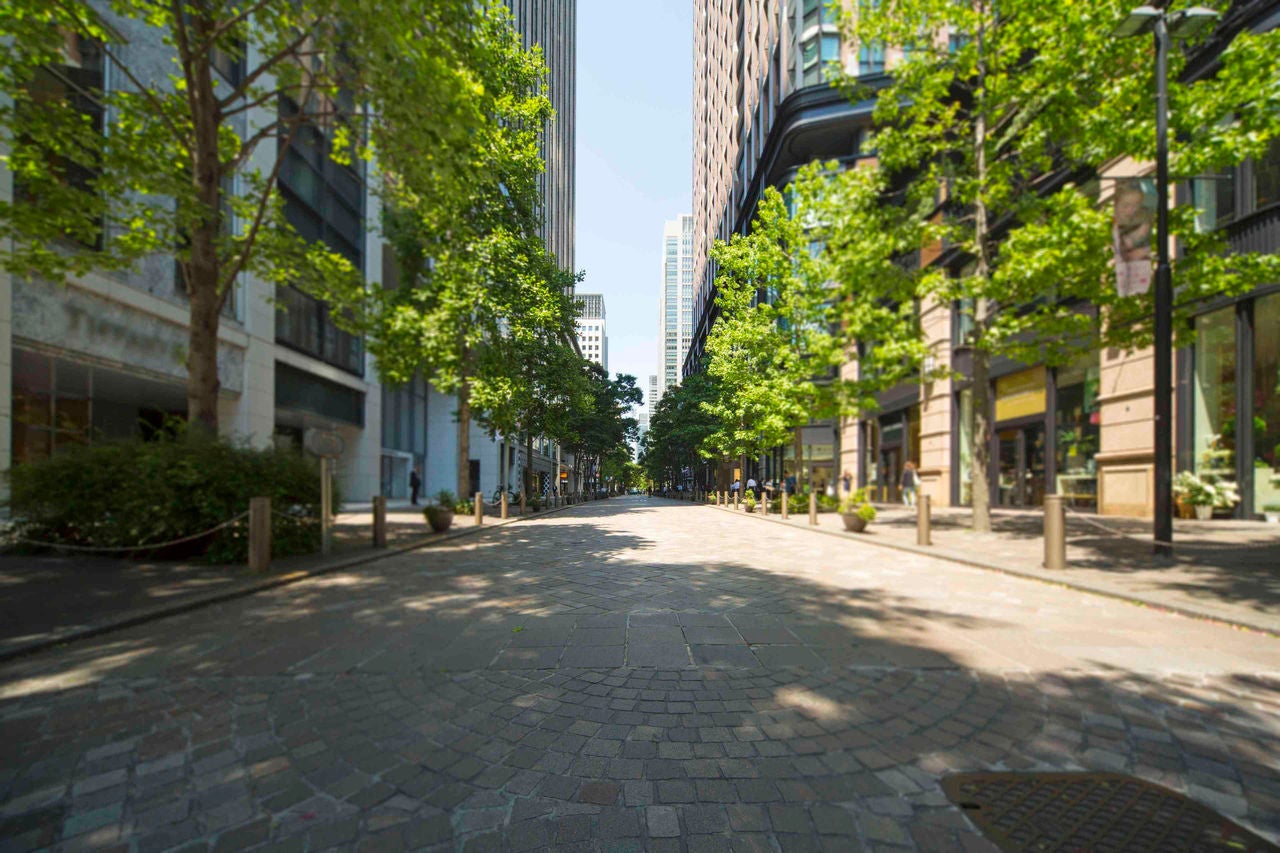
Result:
x=634 y=161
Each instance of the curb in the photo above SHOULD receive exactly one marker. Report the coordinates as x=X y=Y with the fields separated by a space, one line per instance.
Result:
x=952 y=557
x=154 y=614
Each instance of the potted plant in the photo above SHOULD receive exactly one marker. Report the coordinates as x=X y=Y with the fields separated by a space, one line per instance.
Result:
x=749 y=502
x=855 y=512
x=1271 y=512
x=440 y=516
x=1203 y=494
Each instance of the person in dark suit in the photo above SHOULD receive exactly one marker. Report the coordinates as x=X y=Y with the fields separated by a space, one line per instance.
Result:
x=415 y=484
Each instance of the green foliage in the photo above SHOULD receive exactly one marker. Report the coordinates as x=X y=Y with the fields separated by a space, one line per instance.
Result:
x=417 y=75
x=749 y=501
x=867 y=512
x=444 y=497
x=856 y=502
x=465 y=506
x=135 y=493
x=680 y=430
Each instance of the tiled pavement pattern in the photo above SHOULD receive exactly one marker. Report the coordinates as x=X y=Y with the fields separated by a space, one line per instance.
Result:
x=629 y=675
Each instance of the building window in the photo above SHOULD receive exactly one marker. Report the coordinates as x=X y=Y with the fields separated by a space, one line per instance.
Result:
x=79 y=82
x=1266 y=177
x=1079 y=428
x=1215 y=395
x=871 y=58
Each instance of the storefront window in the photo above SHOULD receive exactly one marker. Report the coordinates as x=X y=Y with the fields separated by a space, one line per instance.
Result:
x=1266 y=403
x=1215 y=395
x=1079 y=429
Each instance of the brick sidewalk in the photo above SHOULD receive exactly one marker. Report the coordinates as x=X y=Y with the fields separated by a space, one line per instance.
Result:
x=1225 y=570
x=53 y=596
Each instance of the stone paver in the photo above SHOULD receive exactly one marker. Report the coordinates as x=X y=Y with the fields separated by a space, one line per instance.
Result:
x=632 y=674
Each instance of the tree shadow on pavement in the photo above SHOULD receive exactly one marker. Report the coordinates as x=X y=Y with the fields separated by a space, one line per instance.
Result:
x=560 y=680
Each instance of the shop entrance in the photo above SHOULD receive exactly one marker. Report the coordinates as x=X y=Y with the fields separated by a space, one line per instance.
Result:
x=1020 y=468
x=890 y=473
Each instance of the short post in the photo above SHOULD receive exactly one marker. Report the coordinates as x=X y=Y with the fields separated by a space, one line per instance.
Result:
x=764 y=502
x=522 y=502
x=735 y=501
x=1055 y=532
x=259 y=534
x=379 y=521
x=479 y=508
x=813 y=507
x=784 y=505
x=924 y=522
x=503 y=503
x=326 y=505
x=719 y=497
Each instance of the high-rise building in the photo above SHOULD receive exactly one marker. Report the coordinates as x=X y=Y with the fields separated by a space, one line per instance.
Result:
x=553 y=25
x=591 y=332
x=651 y=398
x=675 y=302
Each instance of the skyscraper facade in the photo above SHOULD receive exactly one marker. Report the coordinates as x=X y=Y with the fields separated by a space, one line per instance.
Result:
x=675 y=302
x=553 y=25
x=591 y=331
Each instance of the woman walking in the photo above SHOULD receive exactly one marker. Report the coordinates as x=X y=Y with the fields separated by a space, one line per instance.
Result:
x=910 y=483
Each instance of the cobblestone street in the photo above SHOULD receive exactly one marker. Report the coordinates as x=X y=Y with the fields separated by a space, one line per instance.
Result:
x=631 y=674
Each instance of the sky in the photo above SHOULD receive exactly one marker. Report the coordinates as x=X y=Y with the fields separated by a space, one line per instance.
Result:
x=634 y=163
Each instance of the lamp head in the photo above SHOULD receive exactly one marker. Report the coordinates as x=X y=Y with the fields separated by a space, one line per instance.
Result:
x=1189 y=23
x=1140 y=21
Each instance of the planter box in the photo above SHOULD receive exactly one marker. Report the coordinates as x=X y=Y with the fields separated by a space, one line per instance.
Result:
x=853 y=522
x=440 y=520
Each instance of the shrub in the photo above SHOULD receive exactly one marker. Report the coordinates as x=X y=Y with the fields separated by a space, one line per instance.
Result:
x=119 y=494
x=464 y=507
x=867 y=512
x=749 y=501
x=444 y=497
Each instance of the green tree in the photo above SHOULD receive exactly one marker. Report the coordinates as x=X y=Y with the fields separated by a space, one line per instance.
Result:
x=998 y=109
x=824 y=277
x=478 y=289
x=680 y=430
x=108 y=176
x=601 y=426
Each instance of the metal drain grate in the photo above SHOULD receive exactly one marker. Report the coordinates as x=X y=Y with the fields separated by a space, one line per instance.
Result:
x=1095 y=812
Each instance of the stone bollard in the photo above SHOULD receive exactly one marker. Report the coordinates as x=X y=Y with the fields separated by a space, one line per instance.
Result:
x=784 y=505
x=924 y=521
x=813 y=508
x=735 y=501
x=764 y=504
x=503 y=502
x=479 y=508
x=522 y=502
x=379 y=521
x=259 y=534
x=1055 y=532
x=326 y=504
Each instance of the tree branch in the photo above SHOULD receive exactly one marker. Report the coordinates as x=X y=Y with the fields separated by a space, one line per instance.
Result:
x=251 y=237
x=262 y=68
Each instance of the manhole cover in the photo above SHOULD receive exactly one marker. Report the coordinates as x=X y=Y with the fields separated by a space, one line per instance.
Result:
x=1095 y=812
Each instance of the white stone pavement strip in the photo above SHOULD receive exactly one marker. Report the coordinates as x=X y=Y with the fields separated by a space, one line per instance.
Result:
x=627 y=674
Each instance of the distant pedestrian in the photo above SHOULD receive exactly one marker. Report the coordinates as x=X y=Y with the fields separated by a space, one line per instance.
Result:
x=846 y=482
x=910 y=483
x=415 y=485
x=751 y=486
x=791 y=484
x=736 y=487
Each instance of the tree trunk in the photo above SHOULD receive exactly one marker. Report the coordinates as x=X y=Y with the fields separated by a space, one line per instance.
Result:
x=981 y=435
x=464 y=439
x=203 y=268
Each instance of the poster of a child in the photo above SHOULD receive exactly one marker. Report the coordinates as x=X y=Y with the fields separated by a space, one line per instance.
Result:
x=1135 y=205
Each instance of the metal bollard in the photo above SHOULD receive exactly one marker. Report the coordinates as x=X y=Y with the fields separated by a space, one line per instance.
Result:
x=1055 y=532
x=784 y=505
x=479 y=508
x=813 y=508
x=503 y=502
x=379 y=521
x=326 y=504
x=259 y=534
x=924 y=522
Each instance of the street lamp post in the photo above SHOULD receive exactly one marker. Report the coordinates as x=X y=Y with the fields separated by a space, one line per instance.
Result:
x=1165 y=26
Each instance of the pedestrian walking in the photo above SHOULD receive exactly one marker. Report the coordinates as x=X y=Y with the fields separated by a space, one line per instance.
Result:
x=736 y=487
x=910 y=483
x=846 y=482
x=415 y=485
x=751 y=486
x=791 y=484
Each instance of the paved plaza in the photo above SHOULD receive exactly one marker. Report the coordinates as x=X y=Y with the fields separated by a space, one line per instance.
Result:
x=632 y=674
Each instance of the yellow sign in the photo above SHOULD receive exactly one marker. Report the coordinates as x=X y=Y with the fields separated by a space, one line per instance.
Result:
x=1020 y=395
x=564 y=475
x=737 y=473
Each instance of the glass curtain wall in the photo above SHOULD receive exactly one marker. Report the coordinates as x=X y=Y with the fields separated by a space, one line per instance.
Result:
x=1079 y=430
x=1215 y=395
